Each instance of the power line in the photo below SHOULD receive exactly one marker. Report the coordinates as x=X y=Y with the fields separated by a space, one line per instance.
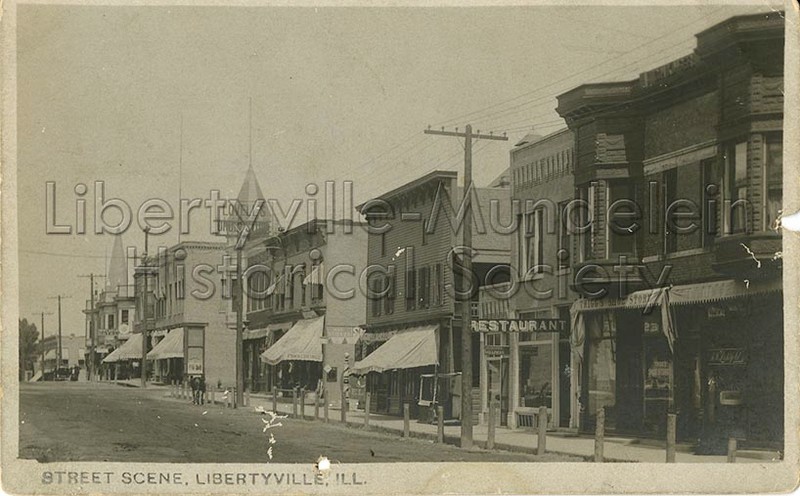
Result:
x=672 y=32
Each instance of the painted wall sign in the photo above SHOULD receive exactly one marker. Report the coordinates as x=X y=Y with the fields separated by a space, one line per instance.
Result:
x=727 y=356
x=519 y=325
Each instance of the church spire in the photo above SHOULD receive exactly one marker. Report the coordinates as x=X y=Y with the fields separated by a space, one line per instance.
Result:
x=117 y=274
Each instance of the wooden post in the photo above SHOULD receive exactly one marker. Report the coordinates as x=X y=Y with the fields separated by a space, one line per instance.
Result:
x=366 y=410
x=303 y=403
x=406 y=420
x=275 y=399
x=671 y=428
x=213 y=399
x=246 y=397
x=325 y=409
x=344 y=400
x=440 y=424
x=491 y=426
x=294 y=403
x=316 y=407
x=731 y=450
x=599 y=434
x=541 y=444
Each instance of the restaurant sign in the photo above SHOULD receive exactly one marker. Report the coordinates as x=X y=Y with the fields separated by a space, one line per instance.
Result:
x=519 y=325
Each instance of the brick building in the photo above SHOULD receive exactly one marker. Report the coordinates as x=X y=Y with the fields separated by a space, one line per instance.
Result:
x=413 y=339
x=681 y=287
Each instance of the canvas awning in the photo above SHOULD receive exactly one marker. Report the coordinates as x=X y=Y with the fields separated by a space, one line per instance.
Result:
x=255 y=333
x=129 y=350
x=169 y=347
x=416 y=347
x=685 y=294
x=302 y=342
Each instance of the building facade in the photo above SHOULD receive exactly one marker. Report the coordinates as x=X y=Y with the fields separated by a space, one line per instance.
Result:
x=680 y=273
x=411 y=350
x=529 y=370
x=304 y=307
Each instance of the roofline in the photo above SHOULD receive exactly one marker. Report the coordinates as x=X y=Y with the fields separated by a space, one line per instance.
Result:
x=436 y=174
x=554 y=134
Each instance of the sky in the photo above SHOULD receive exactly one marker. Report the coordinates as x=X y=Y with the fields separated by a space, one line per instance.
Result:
x=173 y=102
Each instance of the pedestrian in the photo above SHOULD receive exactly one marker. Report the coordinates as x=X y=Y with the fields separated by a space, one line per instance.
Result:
x=193 y=383
x=201 y=387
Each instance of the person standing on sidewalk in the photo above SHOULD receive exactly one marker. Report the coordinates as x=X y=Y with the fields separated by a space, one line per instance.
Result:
x=201 y=389
x=194 y=383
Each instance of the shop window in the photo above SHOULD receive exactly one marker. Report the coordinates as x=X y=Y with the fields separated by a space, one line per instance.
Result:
x=773 y=180
x=535 y=374
x=601 y=359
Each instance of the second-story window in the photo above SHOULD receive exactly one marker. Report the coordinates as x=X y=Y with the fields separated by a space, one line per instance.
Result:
x=388 y=299
x=124 y=316
x=111 y=322
x=376 y=289
x=533 y=243
x=411 y=289
x=736 y=209
x=438 y=284
x=424 y=287
x=564 y=240
x=773 y=179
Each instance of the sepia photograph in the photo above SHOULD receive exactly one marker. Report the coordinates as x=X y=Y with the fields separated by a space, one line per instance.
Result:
x=387 y=248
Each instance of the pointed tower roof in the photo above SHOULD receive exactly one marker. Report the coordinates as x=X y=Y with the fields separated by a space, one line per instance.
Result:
x=117 y=274
x=251 y=190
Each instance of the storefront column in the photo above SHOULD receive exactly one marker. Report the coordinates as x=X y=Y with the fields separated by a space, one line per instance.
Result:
x=513 y=379
x=555 y=395
x=484 y=383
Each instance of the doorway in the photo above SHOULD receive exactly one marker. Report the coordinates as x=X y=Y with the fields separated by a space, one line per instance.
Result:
x=497 y=369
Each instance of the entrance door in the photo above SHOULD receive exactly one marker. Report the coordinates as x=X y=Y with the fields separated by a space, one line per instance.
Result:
x=498 y=387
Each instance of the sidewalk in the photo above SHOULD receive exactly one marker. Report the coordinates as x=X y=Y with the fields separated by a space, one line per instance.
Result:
x=616 y=449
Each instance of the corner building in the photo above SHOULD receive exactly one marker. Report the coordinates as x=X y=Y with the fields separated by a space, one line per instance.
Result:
x=682 y=312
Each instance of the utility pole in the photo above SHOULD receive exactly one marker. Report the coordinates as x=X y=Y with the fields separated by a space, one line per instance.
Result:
x=145 y=318
x=41 y=341
x=92 y=326
x=466 y=299
x=58 y=353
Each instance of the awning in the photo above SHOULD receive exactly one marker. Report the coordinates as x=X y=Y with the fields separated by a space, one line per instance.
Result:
x=169 y=347
x=416 y=347
x=686 y=294
x=315 y=276
x=129 y=350
x=255 y=333
x=302 y=342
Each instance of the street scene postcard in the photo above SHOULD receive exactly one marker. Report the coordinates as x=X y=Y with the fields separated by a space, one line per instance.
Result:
x=474 y=247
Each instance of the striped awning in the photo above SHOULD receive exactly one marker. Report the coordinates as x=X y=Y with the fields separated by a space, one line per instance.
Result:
x=129 y=350
x=685 y=294
x=408 y=349
x=169 y=347
x=302 y=342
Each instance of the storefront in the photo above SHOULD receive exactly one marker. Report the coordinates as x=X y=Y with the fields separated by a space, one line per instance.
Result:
x=394 y=370
x=702 y=351
x=523 y=367
x=296 y=357
x=167 y=355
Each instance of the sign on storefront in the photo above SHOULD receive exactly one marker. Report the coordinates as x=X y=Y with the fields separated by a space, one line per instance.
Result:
x=727 y=356
x=519 y=325
x=496 y=351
